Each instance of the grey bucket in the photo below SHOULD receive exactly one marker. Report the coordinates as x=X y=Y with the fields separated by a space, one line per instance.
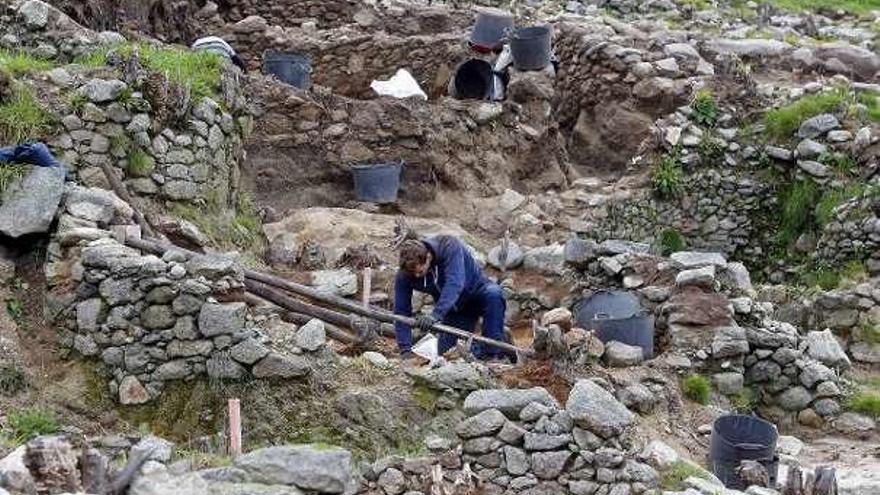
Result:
x=376 y=183
x=490 y=28
x=735 y=438
x=290 y=68
x=530 y=48
x=617 y=315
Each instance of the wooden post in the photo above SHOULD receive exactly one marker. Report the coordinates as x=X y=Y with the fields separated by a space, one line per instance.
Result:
x=368 y=282
x=234 y=428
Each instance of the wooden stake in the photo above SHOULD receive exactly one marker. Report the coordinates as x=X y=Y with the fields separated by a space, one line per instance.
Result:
x=234 y=428
x=368 y=282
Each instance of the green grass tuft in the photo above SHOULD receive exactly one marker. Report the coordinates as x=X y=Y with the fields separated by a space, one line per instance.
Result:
x=30 y=423
x=200 y=71
x=842 y=163
x=744 y=402
x=781 y=123
x=667 y=177
x=870 y=333
x=872 y=104
x=834 y=198
x=710 y=150
x=697 y=388
x=798 y=203
x=19 y=63
x=671 y=241
x=140 y=164
x=824 y=278
x=705 y=108
x=238 y=229
x=865 y=402
x=673 y=478
x=9 y=173
x=22 y=118
x=858 y=7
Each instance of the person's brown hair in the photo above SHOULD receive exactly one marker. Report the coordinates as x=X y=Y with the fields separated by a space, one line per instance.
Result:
x=412 y=254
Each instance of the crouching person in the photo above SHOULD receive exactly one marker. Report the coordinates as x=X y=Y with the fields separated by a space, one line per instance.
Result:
x=444 y=268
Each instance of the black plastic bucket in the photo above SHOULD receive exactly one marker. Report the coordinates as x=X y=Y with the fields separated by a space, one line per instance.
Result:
x=617 y=315
x=490 y=29
x=290 y=68
x=736 y=438
x=530 y=48
x=376 y=183
x=473 y=80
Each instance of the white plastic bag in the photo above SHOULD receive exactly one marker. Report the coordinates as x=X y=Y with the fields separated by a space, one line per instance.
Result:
x=426 y=347
x=401 y=85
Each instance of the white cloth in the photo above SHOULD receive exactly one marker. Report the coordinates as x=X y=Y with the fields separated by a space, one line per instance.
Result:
x=401 y=85
x=214 y=44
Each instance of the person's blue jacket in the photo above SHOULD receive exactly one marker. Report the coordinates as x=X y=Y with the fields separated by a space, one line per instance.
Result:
x=452 y=277
x=33 y=153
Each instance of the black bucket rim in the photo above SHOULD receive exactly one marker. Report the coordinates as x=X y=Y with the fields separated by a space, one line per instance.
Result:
x=531 y=33
x=743 y=417
x=373 y=166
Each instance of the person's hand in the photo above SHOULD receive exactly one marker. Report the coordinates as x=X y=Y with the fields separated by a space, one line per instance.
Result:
x=425 y=322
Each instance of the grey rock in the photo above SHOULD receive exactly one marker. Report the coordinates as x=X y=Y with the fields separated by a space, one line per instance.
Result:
x=855 y=425
x=608 y=457
x=546 y=259
x=813 y=168
x=213 y=266
x=642 y=473
x=778 y=153
x=813 y=372
x=485 y=423
x=659 y=455
x=248 y=351
x=586 y=440
x=163 y=294
x=100 y=90
x=594 y=408
x=221 y=319
x=748 y=48
x=615 y=247
x=221 y=367
x=508 y=401
x=826 y=407
x=809 y=149
x=637 y=397
x=763 y=371
x=14 y=473
x=88 y=313
x=35 y=14
x=451 y=376
x=136 y=358
x=865 y=352
x=158 y=317
x=692 y=259
x=824 y=347
x=392 y=481
x=513 y=256
x=736 y=277
x=700 y=277
x=275 y=365
x=180 y=190
x=785 y=355
x=155 y=448
x=480 y=445
x=516 y=461
x=186 y=304
x=184 y=328
x=730 y=342
x=579 y=252
x=335 y=282
x=728 y=383
x=511 y=433
x=535 y=411
x=549 y=465
x=189 y=348
x=794 y=399
x=537 y=441
x=311 y=336
x=306 y=467
x=29 y=205
x=581 y=487
x=817 y=126
x=172 y=370
x=620 y=354
x=113 y=356
x=85 y=345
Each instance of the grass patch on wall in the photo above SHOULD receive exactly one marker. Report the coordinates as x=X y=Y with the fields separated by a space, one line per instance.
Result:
x=22 y=118
x=781 y=123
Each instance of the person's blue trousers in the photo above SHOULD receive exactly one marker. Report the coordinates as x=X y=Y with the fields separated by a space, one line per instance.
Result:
x=33 y=153
x=487 y=303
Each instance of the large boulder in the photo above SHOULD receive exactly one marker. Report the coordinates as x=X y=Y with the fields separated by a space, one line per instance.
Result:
x=308 y=467
x=14 y=475
x=595 y=409
x=509 y=401
x=748 y=48
x=277 y=365
x=694 y=259
x=29 y=205
x=823 y=347
x=451 y=376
